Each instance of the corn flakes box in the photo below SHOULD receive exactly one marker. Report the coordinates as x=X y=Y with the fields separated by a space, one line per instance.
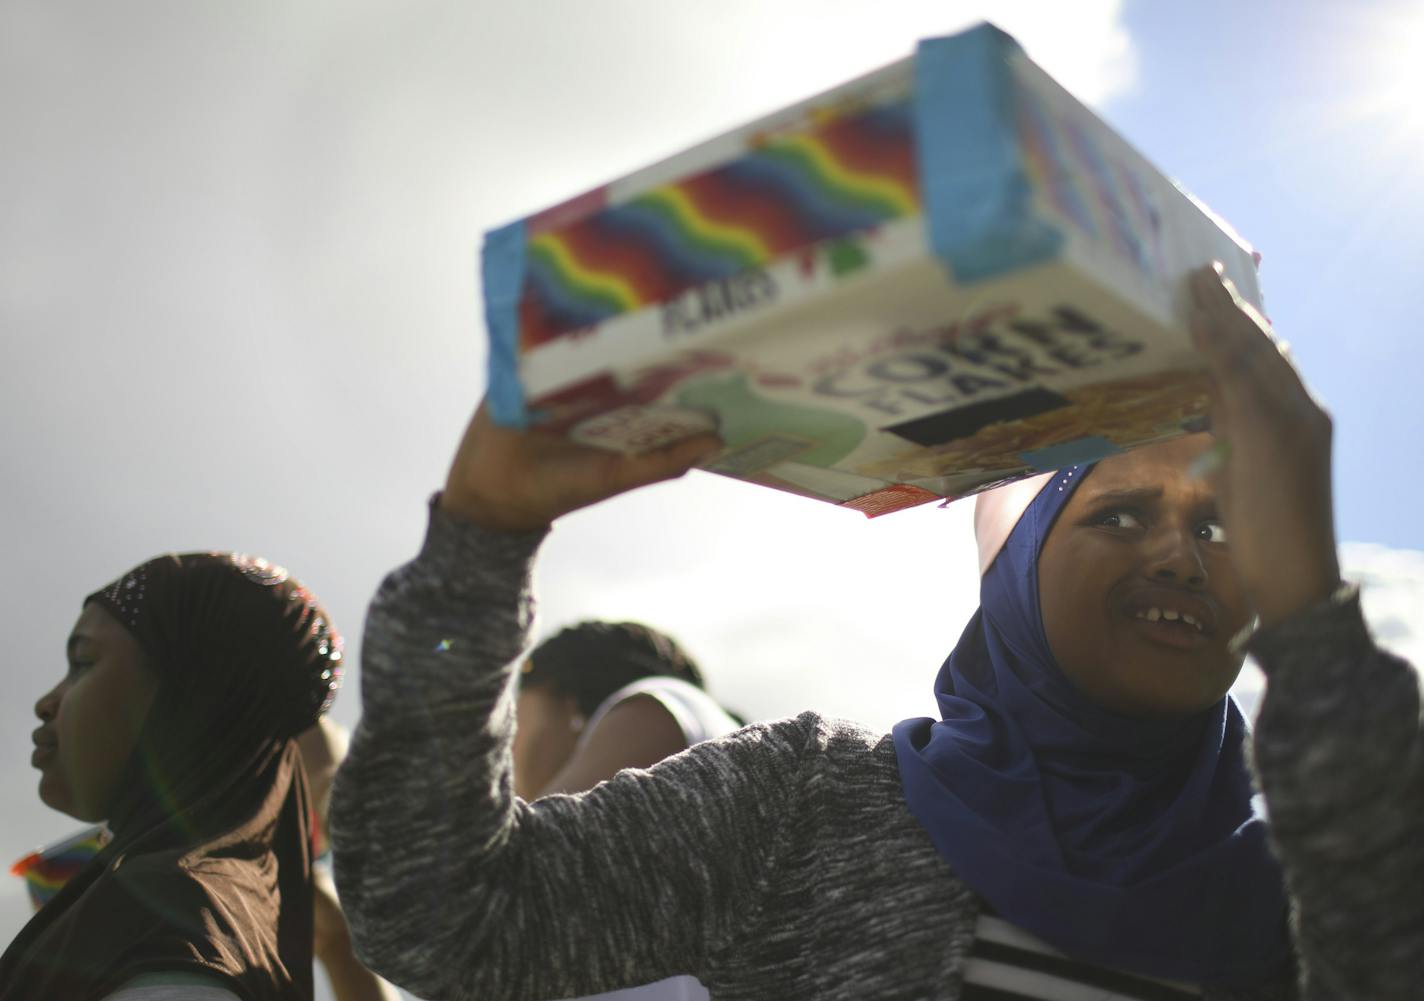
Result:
x=937 y=278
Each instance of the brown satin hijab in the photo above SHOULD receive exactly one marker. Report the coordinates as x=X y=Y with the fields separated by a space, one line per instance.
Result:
x=209 y=869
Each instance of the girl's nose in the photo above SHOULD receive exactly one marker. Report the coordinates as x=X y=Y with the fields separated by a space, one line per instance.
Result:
x=1175 y=558
x=48 y=704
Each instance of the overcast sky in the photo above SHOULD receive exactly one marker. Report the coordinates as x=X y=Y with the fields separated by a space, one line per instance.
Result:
x=239 y=303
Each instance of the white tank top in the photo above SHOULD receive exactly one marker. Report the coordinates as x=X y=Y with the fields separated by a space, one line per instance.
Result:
x=697 y=714
x=700 y=718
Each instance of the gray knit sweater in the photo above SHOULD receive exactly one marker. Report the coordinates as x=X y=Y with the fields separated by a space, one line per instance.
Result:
x=782 y=862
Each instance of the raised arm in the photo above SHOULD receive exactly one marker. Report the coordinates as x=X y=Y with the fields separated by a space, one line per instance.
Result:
x=1340 y=758
x=1338 y=751
x=453 y=885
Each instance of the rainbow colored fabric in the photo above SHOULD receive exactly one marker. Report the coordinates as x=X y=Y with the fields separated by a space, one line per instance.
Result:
x=851 y=172
x=48 y=869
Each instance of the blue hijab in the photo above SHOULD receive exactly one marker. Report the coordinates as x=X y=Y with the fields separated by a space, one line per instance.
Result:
x=1125 y=842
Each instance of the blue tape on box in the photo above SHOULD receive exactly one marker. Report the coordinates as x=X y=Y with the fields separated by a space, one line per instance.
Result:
x=1078 y=452
x=502 y=264
x=977 y=195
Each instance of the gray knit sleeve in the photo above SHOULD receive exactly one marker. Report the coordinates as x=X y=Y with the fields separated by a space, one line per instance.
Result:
x=456 y=888
x=1338 y=756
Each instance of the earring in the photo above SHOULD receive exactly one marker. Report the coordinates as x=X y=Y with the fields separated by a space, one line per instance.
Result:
x=576 y=723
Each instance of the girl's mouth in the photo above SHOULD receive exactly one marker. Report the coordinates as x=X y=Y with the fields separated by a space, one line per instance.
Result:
x=1174 y=630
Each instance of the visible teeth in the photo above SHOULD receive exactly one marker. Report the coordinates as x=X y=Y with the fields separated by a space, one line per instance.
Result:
x=1155 y=614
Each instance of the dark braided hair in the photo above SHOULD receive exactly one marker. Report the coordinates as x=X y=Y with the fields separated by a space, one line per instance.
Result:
x=592 y=660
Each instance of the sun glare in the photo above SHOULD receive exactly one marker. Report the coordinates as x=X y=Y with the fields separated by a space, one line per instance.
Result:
x=1391 y=68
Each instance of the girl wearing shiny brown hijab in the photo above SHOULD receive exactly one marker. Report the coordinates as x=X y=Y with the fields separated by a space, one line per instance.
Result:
x=188 y=679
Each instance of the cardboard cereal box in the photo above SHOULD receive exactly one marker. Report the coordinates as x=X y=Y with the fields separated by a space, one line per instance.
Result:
x=936 y=278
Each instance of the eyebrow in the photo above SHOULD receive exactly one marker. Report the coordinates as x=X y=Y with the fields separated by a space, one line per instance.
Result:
x=1136 y=495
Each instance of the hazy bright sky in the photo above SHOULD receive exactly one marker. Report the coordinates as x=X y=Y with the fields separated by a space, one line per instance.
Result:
x=239 y=304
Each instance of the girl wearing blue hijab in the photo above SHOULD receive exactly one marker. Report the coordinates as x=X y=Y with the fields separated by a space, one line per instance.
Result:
x=1084 y=787
x=1087 y=776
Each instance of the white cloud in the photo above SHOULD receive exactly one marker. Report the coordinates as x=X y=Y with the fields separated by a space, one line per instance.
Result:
x=1391 y=594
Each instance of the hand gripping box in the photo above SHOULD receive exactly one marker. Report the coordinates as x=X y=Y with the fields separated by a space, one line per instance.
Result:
x=934 y=279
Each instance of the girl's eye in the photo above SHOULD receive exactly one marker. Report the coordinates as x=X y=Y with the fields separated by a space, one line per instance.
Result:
x=1211 y=531
x=79 y=666
x=1119 y=519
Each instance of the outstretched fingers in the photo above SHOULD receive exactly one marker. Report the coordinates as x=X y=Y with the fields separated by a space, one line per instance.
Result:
x=1273 y=455
x=520 y=480
x=612 y=473
x=1248 y=364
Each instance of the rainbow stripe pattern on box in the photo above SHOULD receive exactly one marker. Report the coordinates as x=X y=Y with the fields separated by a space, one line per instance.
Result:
x=846 y=173
x=46 y=871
